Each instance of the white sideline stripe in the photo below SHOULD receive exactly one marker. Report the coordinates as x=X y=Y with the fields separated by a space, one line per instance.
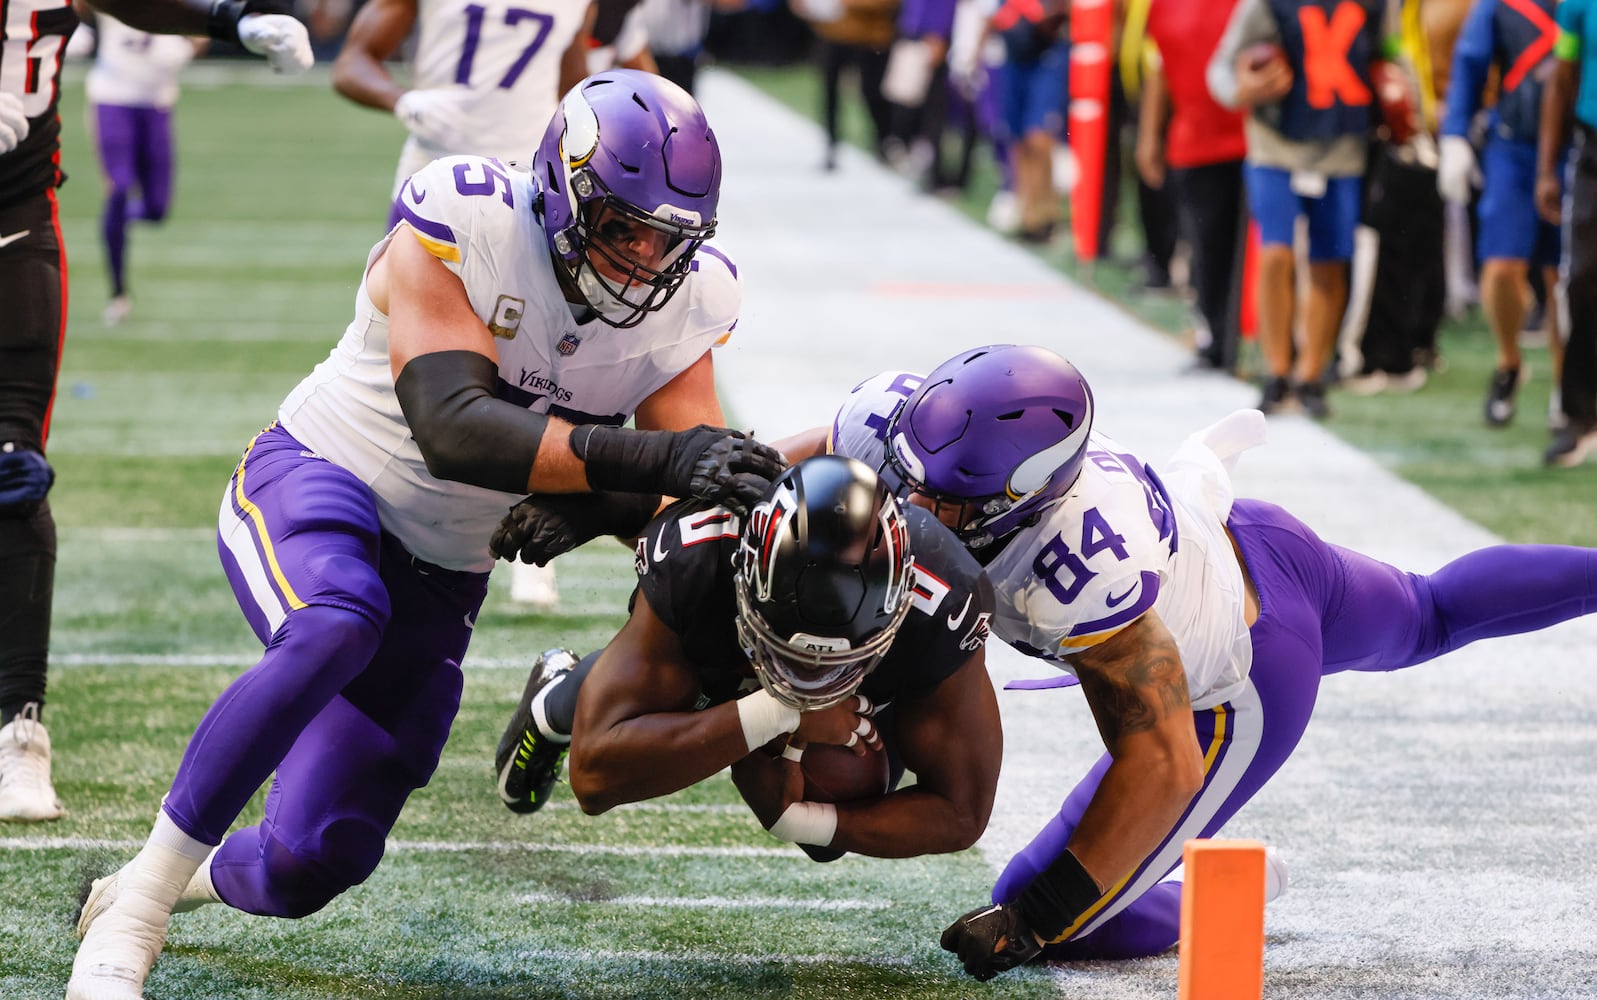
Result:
x=713 y=902
x=447 y=847
x=590 y=956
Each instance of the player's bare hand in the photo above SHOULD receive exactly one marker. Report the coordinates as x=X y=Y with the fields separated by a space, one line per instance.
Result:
x=1263 y=77
x=769 y=783
x=1549 y=198
x=847 y=724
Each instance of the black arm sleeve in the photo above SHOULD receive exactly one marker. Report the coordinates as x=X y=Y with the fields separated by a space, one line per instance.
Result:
x=465 y=434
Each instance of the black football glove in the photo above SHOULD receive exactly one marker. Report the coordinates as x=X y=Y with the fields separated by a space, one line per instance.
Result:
x=723 y=465
x=990 y=940
x=541 y=527
x=711 y=463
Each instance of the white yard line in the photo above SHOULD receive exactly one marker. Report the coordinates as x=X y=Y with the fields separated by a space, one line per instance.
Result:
x=716 y=902
x=448 y=847
x=590 y=956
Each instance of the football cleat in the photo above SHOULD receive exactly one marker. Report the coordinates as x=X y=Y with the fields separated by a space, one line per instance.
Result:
x=527 y=761
x=26 y=793
x=1500 y=395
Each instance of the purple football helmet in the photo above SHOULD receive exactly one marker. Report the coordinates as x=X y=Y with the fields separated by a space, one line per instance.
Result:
x=1001 y=430
x=824 y=578
x=631 y=174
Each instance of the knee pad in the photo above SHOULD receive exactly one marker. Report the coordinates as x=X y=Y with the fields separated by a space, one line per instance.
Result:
x=301 y=882
x=25 y=480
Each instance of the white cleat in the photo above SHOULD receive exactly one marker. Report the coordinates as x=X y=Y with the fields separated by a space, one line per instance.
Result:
x=26 y=794
x=103 y=893
x=120 y=944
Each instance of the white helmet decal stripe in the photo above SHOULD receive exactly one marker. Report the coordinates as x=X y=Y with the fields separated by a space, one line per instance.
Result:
x=1032 y=474
x=581 y=138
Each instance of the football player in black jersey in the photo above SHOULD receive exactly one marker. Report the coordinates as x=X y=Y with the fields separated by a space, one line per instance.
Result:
x=832 y=616
x=33 y=287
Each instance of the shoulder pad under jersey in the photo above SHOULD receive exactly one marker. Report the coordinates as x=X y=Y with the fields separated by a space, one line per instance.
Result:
x=454 y=198
x=717 y=291
x=682 y=555
x=860 y=428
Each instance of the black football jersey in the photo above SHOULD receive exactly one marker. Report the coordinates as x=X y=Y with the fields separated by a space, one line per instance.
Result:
x=33 y=39
x=684 y=566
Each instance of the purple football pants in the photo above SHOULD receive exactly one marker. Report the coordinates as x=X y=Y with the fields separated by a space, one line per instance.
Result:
x=136 y=155
x=1323 y=609
x=352 y=701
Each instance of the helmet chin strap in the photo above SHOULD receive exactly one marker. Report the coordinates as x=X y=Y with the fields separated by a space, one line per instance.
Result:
x=599 y=296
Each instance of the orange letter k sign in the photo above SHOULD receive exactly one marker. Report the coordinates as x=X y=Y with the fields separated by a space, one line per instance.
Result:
x=1326 y=71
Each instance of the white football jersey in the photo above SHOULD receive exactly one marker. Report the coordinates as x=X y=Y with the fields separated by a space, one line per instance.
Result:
x=134 y=68
x=475 y=215
x=1125 y=540
x=507 y=53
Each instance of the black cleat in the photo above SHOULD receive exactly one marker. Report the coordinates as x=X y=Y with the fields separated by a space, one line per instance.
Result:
x=1500 y=397
x=526 y=761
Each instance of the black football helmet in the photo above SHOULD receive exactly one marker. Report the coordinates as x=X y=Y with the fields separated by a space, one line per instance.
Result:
x=824 y=576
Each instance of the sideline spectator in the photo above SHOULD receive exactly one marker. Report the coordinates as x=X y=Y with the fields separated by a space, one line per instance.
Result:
x=1190 y=144
x=1035 y=81
x=1514 y=37
x=1572 y=88
x=1309 y=83
x=853 y=33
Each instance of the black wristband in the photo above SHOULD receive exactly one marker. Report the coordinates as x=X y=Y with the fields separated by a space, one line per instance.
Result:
x=1057 y=897
x=222 y=24
x=615 y=458
x=464 y=433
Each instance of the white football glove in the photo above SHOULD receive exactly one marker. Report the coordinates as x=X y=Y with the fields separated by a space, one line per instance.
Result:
x=13 y=122
x=1457 y=171
x=436 y=117
x=281 y=39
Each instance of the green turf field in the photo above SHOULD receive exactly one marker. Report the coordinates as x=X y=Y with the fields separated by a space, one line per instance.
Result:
x=282 y=189
x=281 y=192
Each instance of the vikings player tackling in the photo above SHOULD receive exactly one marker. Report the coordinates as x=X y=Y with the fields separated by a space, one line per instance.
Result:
x=1198 y=623
x=503 y=332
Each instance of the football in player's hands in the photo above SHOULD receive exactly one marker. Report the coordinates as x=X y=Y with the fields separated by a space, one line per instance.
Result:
x=837 y=774
x=1257 y=57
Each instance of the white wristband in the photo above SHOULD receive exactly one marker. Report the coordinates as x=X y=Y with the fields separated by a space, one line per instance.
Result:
x=764 y=718
x=813 y=823
x=792 y=753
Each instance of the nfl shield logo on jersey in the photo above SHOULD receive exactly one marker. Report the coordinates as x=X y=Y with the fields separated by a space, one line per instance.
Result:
x=568 y=344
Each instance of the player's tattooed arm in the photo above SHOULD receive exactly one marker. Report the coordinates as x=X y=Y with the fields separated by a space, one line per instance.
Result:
x=1137 y=689
x=1134 y=680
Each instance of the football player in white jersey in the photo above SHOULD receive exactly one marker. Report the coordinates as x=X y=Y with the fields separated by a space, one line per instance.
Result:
x=132 y=88
x=1198 y=623
x=485 y=76
x=485 y=79
x=503 y=333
